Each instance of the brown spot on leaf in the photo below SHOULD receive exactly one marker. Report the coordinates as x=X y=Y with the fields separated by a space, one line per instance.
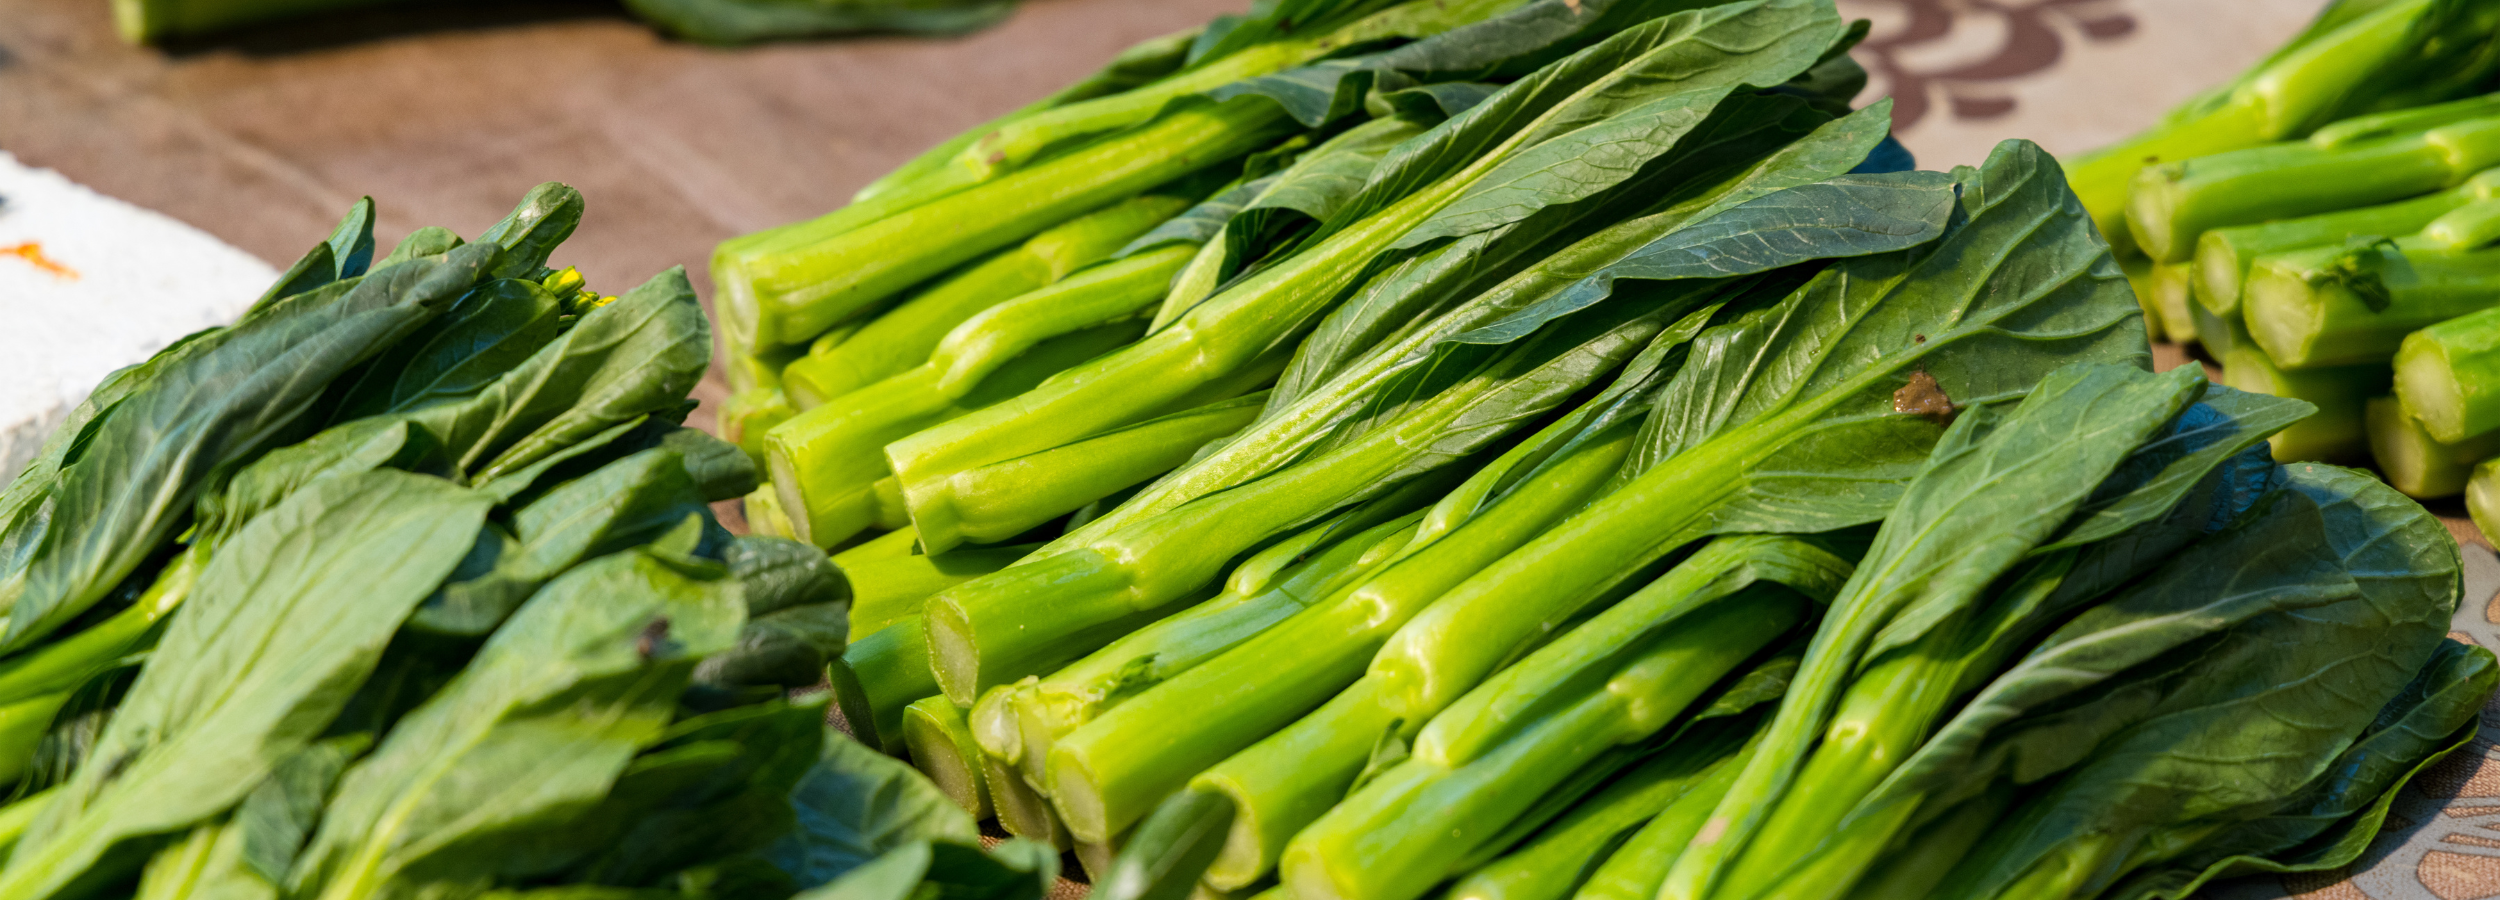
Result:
x=1921 y=397
x=1918 y=339
x=654 y=637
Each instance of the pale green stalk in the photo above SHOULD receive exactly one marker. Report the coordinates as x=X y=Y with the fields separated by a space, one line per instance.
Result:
x=903 y=338
x=2448 y=376
x=1495 y=751
x=2337 y=431
x=1037 y=713
x=941 y=748
x=1106 y=774
x=2414 y=461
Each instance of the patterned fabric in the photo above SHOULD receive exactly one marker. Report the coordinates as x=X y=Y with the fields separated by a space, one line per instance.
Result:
x=2443 y=836
x=2023 y=39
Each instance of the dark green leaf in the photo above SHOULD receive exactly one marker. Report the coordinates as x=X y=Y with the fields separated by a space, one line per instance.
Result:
x=530 y=233
x=2335 y=818
x=1168 y=852
x=779 y=573
x=360 y=446
x=276 y=818
x=720 y=470
x=285 y=622
x=533 y=731
x=1852 y=215
x=856 y=805
x=2162 y=472
x=1297 y=199
x=1200 y=223
x=716 y=785
x=486 y=333
x=431 y=240
x=1751 y=147
x=636 y=356
x=626 y=503
x=2166 y=705
x=243 y=391
x=1679 y=69
x=2019 y=285
x=315 y=268
x=351 y=243
x=785 y=649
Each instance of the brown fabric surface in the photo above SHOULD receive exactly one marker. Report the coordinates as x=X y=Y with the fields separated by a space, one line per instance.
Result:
x=447 y=117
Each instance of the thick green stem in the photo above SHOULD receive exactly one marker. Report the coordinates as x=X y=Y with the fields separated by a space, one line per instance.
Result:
x=747 y=416
x=1289 y=779
x=890 y=545
x=1097 y=296
x=1916 y=868
x=1110 y=771
x=15 y=817
x=2170 y=285
x=882 y=674
x=1404 y=831
x=2449 y=376
x=762 y=508
x=1014 y=144
x=2139 y=272
x=2482 y=499
x=903 y=338
x=1640 y=866
x=2334 y=306
x=2337 y=431
x=2415 y=462
x=941 y=747
x=826 y=461
x=980 y=629
x=1143 y=63
x=1561 y=856
x=1023 y=811
x=886 y=591
x=2281 y=99
x=1219 y=335
x=2223 y=255
x=2219 y=333
x=1886 y=714
x=1196 y=282
x=787 y=295
x=1001 y=500
x=2171 y=205
x=989 y=631
x=1042 y=712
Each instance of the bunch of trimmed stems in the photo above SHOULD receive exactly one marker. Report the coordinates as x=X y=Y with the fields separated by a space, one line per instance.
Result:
x=2324 y=227
x=1438 y=447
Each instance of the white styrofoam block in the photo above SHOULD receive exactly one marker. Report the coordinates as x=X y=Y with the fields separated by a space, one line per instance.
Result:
x=136 y=281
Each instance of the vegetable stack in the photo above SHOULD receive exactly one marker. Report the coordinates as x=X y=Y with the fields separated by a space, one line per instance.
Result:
x=1518 y=449
x=2324 y=227
x=406 y=585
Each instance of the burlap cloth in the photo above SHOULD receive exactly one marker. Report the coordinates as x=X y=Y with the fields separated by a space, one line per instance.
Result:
x=446 y=113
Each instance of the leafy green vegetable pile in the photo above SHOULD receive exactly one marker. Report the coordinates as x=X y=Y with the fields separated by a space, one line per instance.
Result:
x=1523 y=448
x=709 y=21
x=406 y=585
x=2324 y=227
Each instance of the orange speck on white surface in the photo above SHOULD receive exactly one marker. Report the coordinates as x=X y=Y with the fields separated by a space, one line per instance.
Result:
x=32 y=252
